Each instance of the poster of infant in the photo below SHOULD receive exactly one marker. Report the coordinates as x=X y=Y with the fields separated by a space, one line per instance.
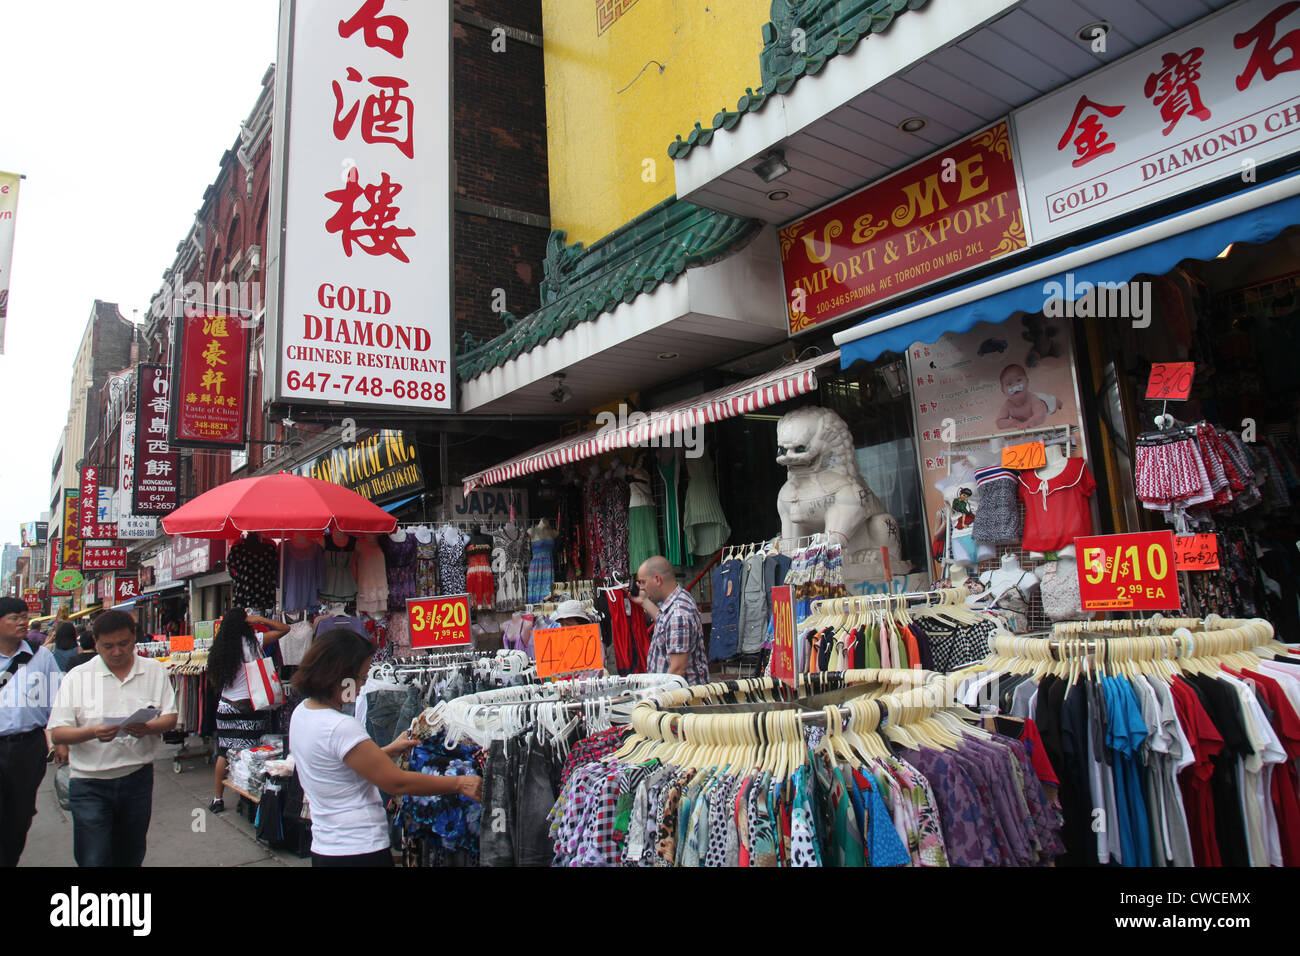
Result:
x=995 y=379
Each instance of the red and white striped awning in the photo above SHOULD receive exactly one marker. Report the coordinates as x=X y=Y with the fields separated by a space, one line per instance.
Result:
x=641 y=429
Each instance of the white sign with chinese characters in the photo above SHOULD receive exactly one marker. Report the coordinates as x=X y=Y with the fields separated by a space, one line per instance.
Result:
x=1214 y=99
x=361 y=292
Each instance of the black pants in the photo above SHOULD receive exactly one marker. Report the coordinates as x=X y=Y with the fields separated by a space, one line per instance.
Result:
x=22 y=768
x=110 y=818
x=377 y=858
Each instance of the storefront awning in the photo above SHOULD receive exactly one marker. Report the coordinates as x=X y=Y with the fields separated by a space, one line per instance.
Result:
x=124 y=606
x=394 y=505
x=83 y=613
x=749 y=396
x=1255 y=215
x=161 y=588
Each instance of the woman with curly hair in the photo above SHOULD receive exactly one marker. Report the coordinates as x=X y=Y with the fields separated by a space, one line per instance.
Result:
x=341 y=769
x=239 y=726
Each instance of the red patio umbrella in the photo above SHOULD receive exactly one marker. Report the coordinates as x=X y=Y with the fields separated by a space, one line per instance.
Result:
x=278 y=506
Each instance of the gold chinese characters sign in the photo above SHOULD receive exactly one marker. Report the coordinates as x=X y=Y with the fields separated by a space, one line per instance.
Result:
x=211 y=374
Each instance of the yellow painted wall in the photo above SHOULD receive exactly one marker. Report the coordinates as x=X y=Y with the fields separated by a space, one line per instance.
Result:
x=598 y=138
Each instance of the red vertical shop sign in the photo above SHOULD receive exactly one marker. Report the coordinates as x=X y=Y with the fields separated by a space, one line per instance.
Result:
x=210 y=370
x=91 y=529
x=156 y=490
x=783 y=633
x=71 y=522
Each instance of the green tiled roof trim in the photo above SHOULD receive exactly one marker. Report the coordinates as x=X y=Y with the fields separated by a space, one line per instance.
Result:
x=830 y=27
x=583 y=283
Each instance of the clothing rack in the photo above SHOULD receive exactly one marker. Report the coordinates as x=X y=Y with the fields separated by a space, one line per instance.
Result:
x=1067 y=429
x=502 y=714
x=865 y=603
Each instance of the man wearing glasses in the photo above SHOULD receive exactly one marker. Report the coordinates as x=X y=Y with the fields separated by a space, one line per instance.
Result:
x=30 y=676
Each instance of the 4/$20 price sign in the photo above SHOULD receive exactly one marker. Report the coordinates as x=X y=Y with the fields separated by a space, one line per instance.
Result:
x=1128 y=572
x=568 y=650
x=439 y=621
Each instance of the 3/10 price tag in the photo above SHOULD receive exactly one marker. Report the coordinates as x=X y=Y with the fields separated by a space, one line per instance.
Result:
x=1196 y=552
x=1030 y=454
x=439 y=621
x=1171 y=381
x=1131 y=572
x=567 y=650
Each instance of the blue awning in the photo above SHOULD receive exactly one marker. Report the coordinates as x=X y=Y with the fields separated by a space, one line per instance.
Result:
x=394 y=505
x=1157 y=257
x=125 y=605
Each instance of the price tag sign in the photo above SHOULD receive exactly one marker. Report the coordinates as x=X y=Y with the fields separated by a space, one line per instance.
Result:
x=182 y=642
x=1196 y=552
x=567 y=650
x=783 y=634
x=1128 y=572
x=439 y=621
x=1171 y=381
x=1030 y=454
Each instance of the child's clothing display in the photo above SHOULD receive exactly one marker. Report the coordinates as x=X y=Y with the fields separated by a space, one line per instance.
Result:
x=998 y=517
x=1057 y=510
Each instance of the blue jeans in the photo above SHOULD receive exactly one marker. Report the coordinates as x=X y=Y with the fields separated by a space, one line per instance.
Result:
x=110 y=818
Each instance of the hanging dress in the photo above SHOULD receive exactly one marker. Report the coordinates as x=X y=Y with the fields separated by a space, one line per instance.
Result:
x=426 y=565
x=340 y=586
x=670 y=472
x=304 y=573
x=372 y=578
x=451 y=560
x=642 y=523
x=706 y=524
x=401 y=557
x=541 y=569
x=478 y=575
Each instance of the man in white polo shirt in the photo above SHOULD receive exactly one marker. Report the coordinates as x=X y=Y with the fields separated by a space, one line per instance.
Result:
x=112 y=763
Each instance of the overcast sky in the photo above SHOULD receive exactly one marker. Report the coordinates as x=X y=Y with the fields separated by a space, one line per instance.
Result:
x=118 y=114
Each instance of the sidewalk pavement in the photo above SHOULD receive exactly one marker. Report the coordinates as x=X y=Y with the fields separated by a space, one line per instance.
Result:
x=178 y=835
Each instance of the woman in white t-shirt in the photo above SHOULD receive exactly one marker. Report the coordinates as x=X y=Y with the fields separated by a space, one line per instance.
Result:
x=239 y=726
x=340 y=768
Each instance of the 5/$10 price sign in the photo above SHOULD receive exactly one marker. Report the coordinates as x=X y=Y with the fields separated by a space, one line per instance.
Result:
x=1128 y=572
x=439 y=621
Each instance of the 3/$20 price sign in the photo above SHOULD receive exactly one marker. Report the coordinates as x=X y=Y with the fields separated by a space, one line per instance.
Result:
x=439 y=621
x=568 y=650
x=1128 y=572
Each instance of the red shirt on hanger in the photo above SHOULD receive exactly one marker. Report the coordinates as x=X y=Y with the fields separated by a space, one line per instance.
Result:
x=1056 y=510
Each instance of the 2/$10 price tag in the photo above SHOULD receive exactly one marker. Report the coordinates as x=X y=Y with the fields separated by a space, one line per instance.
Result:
x=1030 y=454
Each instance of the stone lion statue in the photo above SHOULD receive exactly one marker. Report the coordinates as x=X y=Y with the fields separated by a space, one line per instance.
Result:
x=825 y=492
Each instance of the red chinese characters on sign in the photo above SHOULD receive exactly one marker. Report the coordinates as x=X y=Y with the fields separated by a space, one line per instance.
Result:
x=211 y=376
x=71 y=553
x=386 y=117
x=951 y=212
x=126 y=588
x=1174 y=88
x=1091 y=140
x=156 y=488
x=103 y=559
x=90 y=527
x=1263 y=55
x=368 y=20
x=376 y=234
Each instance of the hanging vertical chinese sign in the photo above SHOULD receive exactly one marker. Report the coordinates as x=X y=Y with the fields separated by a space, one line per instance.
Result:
x=361 y=242
x=210 y=369
x=157 y=486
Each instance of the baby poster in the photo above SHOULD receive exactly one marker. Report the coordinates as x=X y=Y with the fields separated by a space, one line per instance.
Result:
x=997 y=379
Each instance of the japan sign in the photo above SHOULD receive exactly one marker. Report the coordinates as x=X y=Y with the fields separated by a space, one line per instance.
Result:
x=210 y=369
x=1215 y=99
x=156 y=485
x=359 y=265
x=950 y=212
x=1127 y=572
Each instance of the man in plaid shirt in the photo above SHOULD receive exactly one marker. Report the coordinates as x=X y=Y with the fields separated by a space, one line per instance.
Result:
x=677 y=641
